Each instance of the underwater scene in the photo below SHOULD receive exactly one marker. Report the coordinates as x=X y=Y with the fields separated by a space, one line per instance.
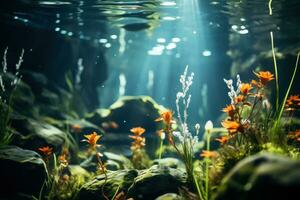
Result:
x=149 y=99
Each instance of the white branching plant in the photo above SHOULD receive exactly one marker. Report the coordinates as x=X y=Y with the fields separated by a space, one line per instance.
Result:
x=186 y=139
x=6 y=96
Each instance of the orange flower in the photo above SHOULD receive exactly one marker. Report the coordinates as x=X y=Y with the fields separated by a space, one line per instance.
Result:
x=245 y=88
x=138 y=143
x=264 y=76
x=257 y=84
x=208 y=154
x=62 y=159
x=231 y=126
x=293 y=99
x=47 y=151
x=223 y=140
x=166 y=116
x=92 y=139
x=292 y=103
x=295 y=135
x=161 y=134
x=239 y=99
x=76 y=128
x=229 y=109
x=137 y=130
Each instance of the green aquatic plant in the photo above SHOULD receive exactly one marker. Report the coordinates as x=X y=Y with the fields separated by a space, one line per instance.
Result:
x=71 y=101
x=7 y=89
x=243 y=113
x=60 y=183
x=162 y=137
x=92 y=140
x=140 y=158
x=185 y=147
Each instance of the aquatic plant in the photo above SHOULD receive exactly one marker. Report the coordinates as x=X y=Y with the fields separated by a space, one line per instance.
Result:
x=161 y=135
x=60 y=184
x=7 y=89
x=185 y=147
x=140 y=158
x=243 y=114
x=71 y=101
x=92 y=140
x=46 y=153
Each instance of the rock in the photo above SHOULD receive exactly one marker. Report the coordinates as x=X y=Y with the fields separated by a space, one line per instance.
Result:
x=169 y=162
x=138 y=184
x=121 y=161
x=80 y=126
x=155 y=181
x=112 y=161
x=21 y=171
x=36 y=80
x=34 y=134
x=119 y=180
x=126 y=113
x=169 y=196
x=80 y=173
x=263 y=176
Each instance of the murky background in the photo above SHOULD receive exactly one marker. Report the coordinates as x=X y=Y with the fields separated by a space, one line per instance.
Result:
x=116 y=48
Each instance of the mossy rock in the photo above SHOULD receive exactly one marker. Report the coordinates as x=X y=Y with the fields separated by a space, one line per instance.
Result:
x=169 y=162
x=263 y=176
x=32 y=134
x=137 y=184
x=128 y=112
x=170 y=196
x=22 y=172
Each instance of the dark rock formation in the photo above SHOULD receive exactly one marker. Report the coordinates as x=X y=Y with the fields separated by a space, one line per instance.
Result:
x=264 y=176
x=144 y=184
x=128 y=112
x=22 y=172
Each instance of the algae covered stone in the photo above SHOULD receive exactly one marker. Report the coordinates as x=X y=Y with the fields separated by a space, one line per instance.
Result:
x=137 y=184
x=169 y=196
x=263 y=176
x=21 y=172
x=128 y=112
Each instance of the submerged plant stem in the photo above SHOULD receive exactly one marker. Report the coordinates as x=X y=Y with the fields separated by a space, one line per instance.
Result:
x=207 y=166
x=270 y=7
x=288 y=90
x=276 y=71
x=160 y=148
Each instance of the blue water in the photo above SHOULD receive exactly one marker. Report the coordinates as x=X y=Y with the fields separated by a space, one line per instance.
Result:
x=147 y=44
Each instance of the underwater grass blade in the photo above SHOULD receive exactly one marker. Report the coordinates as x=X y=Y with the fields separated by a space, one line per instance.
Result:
x=160 y=148
x=274 y=59
x=270 y=7
x=288 y=91
x=276 y=71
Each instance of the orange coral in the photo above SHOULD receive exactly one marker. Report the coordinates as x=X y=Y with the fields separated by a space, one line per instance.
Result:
x=245 y=88
x=208 y=154
x=264 y=76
